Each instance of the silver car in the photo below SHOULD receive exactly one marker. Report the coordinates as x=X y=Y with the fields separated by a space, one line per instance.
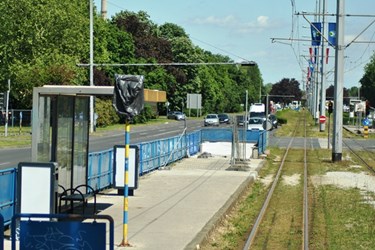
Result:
x=176 y=115
x=211 y=120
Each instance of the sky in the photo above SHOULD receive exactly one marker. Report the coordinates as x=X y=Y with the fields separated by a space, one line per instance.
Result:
x=244 y=30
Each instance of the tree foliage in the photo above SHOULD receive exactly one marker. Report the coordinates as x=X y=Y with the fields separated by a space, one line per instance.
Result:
x=286 y=91
x=368 y=82
x=42 y=42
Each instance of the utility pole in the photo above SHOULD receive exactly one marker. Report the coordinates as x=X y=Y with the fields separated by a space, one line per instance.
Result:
x=7 y=109
x=91 y=64
x=317 y=67
x=323 y=89
x=339 y=83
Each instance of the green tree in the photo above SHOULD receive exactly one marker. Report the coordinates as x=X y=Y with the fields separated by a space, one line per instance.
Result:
x=353 y=92
x=286 y=87
x=368 y=82
x=40 y=40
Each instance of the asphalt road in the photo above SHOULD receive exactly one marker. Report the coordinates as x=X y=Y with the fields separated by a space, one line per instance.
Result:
x=10 y=158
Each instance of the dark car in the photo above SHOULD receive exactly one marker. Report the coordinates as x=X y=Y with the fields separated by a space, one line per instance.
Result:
x=224 y=118
x=273 y=120
x=176 y=115
x=240 y=120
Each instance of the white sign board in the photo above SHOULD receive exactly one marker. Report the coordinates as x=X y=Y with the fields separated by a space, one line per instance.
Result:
x=194 y=101
x=119 y=166
x=37 y=187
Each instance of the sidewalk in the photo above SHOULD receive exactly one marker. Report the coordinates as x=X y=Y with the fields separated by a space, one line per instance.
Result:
x=176 y=208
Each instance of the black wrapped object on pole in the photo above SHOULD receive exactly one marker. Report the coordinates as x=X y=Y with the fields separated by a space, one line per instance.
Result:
x=128 y=98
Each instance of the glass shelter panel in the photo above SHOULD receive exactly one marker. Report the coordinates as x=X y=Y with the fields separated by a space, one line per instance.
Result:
x=64 y=145
x=81 y=131
x=44 y=131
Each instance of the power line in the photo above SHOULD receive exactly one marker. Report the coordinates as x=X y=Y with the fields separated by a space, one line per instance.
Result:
x=245 y=63
x=218 y=48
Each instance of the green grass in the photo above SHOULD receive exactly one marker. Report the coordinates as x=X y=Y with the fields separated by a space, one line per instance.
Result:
x=15 y=137
x=339 y=218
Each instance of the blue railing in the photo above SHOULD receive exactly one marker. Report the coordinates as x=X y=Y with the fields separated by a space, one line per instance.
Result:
x=8 y=184
x=100 y=169
x=156 y=154
x=153 y=155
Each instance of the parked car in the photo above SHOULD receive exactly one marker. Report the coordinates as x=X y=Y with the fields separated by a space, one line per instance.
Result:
x=211 y=120
x=176 y=115
x=224 y=118
x=255 y=123
x=273 y=120
x=240 y=120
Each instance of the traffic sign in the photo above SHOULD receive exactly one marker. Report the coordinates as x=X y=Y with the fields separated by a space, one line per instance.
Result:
x=366 y=122
x=322 y=119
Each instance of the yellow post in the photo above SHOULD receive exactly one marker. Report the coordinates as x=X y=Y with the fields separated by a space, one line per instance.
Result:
x=365 y=132
x=126 y=186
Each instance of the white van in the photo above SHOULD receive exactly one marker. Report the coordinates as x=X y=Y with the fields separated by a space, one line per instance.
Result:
x=258 y=110
x=257 y=107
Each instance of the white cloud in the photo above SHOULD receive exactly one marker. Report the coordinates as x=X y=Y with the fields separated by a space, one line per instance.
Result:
x=212 y=20
x=260 y=24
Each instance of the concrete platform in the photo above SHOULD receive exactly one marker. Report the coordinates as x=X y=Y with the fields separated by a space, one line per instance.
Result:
x=175 y=208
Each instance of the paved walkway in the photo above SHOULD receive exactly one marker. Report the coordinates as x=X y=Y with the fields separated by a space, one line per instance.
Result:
x=175 y=208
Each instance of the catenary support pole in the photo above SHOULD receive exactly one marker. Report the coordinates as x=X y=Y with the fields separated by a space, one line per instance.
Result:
x=339 y=83
x=322 y=79
x=91 y=64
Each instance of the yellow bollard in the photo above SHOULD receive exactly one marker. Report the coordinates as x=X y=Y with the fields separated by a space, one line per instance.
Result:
x=365 y=132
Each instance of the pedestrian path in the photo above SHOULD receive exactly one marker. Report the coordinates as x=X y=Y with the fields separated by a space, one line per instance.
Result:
x=175 y=208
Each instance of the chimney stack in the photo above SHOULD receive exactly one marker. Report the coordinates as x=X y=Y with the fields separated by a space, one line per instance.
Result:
x=104 y=9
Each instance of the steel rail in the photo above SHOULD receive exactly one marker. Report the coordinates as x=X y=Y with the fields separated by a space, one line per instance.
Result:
x=256 y=225
x=372 y=170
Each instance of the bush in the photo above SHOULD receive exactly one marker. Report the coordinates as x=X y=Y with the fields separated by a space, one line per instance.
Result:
x=282 y=120
x=106 y=113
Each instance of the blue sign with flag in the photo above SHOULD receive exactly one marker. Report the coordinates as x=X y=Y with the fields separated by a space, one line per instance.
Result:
x=332 y=34
x=316 y=35
x=366 y=122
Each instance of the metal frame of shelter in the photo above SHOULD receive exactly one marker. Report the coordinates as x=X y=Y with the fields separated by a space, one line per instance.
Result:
x=60 y=129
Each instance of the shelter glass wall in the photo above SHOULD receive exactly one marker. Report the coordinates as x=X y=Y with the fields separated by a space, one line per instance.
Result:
x=81 y=133
x=44 y=135
x=63 y=130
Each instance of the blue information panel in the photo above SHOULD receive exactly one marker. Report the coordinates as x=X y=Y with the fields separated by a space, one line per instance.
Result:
x=70 y=235
x=366 y=122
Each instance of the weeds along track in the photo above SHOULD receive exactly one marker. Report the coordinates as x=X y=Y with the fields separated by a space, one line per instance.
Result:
x=282 y=222
x=364 y=155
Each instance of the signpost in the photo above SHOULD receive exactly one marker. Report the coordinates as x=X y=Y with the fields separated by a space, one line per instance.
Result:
x=322 y=119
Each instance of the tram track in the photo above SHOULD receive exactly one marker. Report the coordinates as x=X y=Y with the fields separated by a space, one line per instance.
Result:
x=364 y=150
x=300 y=220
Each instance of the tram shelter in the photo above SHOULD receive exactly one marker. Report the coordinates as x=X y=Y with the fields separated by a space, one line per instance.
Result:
x=60 y=129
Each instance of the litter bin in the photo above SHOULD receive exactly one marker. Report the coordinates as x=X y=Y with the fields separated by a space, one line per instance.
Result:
x=255 y=153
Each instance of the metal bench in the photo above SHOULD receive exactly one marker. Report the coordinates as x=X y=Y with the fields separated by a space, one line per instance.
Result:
x=76 y=195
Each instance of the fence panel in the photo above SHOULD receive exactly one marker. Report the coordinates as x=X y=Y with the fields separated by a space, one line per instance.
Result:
x=8 y=184
x=100 y=169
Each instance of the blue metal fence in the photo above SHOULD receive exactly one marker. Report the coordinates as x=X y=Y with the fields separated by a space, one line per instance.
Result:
x=100 y=169
x=153 y=155
x=8 y=184
x=156 y=154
